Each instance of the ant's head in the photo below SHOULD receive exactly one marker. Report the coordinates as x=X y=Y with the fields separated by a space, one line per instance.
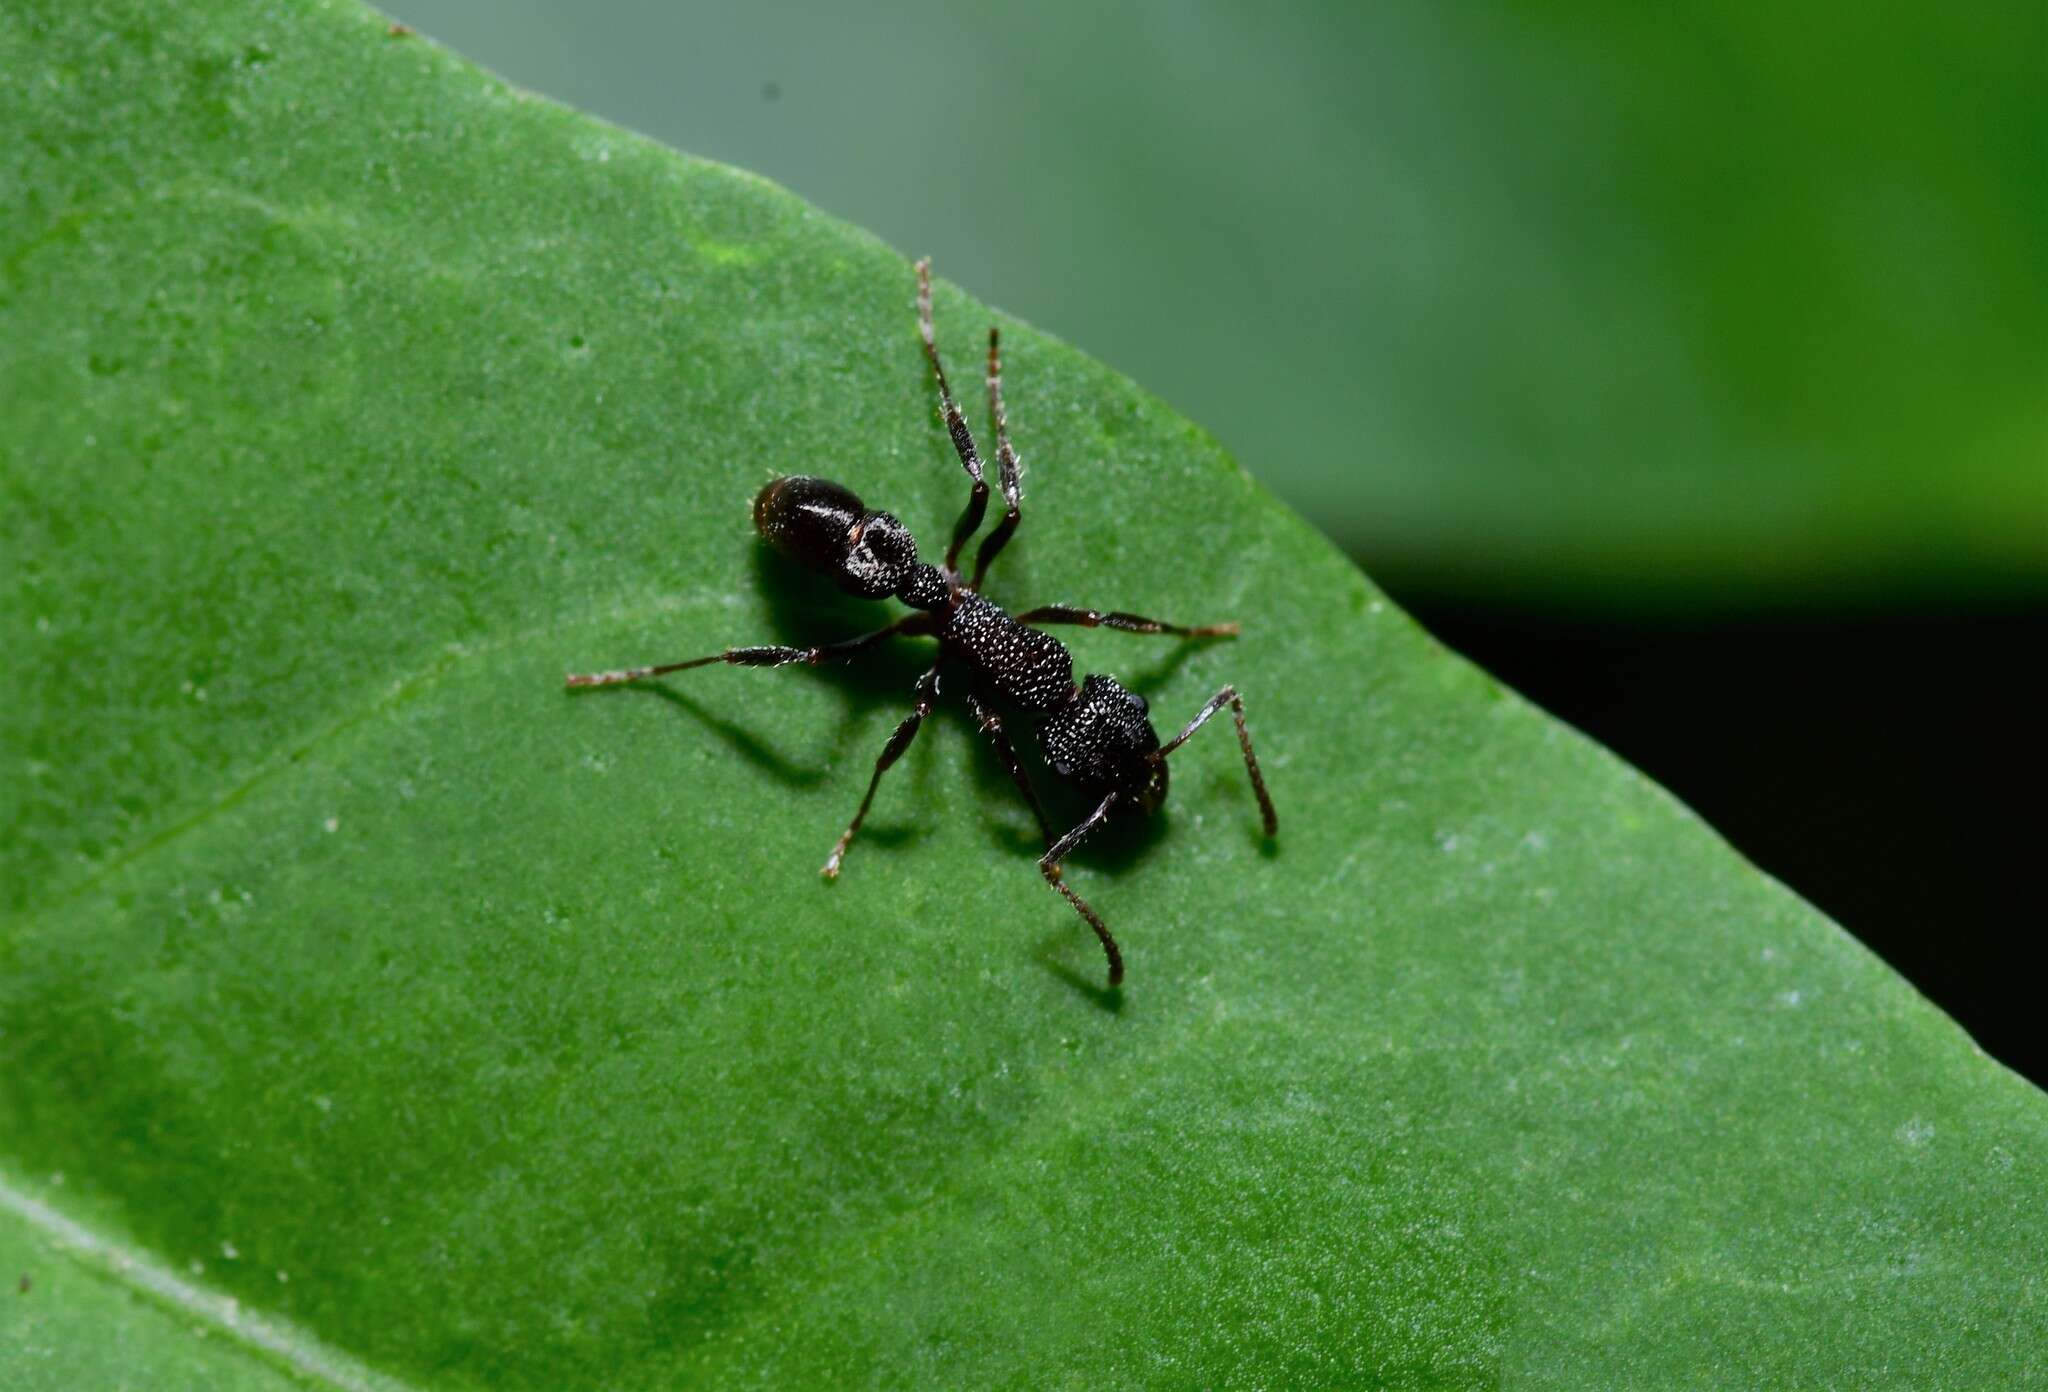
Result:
x=1103 y=740
x=826 y=527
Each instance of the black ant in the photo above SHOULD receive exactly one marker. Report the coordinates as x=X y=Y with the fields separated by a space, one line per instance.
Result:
x=1095 y=733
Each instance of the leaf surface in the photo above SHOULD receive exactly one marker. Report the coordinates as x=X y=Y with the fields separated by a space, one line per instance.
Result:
x=477 y=1034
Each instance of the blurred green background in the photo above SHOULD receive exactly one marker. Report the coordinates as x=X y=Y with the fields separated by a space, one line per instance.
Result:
x=1686 y=366
x=1610 y=303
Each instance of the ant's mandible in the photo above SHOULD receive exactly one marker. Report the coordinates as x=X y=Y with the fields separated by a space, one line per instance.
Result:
x=1095 y=733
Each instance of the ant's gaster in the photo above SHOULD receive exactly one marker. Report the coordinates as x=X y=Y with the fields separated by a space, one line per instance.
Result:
x=1096 y=735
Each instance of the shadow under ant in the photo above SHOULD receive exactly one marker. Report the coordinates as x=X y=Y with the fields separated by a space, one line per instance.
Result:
x=800 y=606
x=741 y=740
x=1105 y=998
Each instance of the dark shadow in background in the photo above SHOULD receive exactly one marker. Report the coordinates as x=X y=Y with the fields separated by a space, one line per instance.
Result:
x=1890 y=766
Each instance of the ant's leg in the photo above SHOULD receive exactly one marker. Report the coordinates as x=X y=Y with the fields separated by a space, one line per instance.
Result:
x=759 y=657
x=898 y=742
x=1244 y=740
x=1049 y=866
x=1128 y=623
x=1006 y=459
x=992 y=726
x=956 y=424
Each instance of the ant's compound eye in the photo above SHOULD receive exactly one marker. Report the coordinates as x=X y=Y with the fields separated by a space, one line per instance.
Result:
x=1144 y=707
x=1062 y=768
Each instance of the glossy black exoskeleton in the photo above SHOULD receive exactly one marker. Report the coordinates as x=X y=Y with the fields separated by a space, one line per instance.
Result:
x=1096 y=735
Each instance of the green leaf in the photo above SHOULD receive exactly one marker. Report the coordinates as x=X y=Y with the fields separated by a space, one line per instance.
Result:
x=65 y=1328
x=466 y=1033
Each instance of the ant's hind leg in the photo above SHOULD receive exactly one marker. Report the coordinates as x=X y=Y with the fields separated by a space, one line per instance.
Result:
x=1127 y=623
x=1049 y=866
x=992 y=725
x=758 y=657
x=1006 y=460
x=1228 y=695
x=956 y=424
x=927 y=685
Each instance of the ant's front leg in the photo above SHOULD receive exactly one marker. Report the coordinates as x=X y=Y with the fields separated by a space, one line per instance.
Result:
x=927 y=686
x=1007 y=462
x=1126 y=623
x=956 y=425
x=1049 y=866
x=759 y=657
